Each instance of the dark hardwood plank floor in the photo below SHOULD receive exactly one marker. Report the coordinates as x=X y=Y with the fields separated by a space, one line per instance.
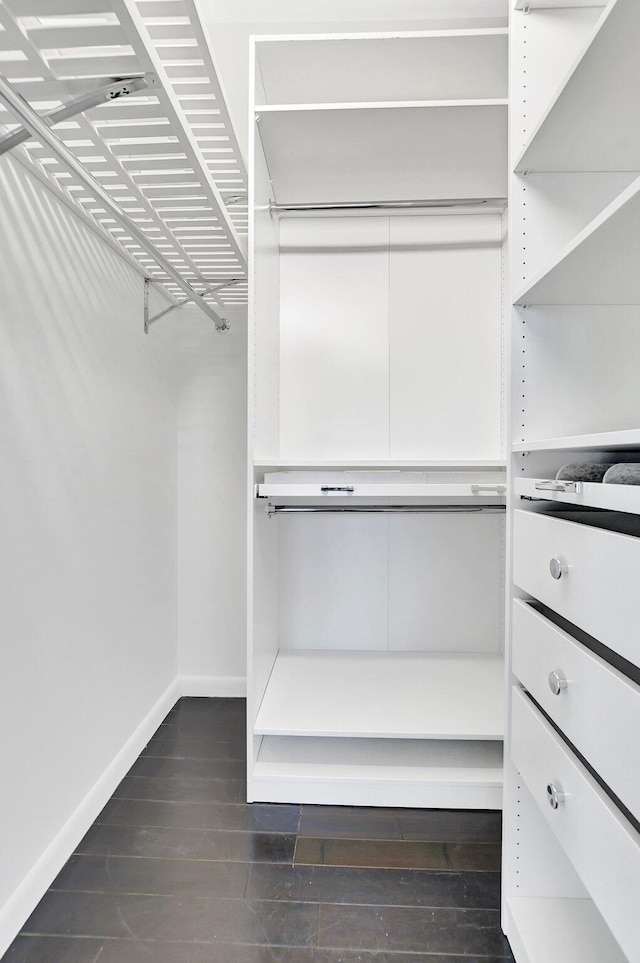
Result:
x=177 y=869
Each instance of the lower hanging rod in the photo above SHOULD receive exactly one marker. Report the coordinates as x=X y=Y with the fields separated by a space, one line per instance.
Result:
x=387 y=509
x=388 y=205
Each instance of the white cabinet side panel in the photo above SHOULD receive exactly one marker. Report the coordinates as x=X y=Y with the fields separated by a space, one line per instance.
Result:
x=334 y=359
x=333 y=581
x=445 y=583
x=265 y=314
x=446 y=337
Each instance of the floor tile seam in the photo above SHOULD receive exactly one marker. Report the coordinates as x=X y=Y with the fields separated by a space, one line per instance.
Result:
x=372 y=953
x=417 y=907
x=448 y=870
x=185 y=859
x=195 y=829
x=386 y=839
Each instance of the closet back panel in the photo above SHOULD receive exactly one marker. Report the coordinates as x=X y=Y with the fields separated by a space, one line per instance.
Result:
x=334 y=330
x=446 y=336
x=391 y=582
x=391 y=337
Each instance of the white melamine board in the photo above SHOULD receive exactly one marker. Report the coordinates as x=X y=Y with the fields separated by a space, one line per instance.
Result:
x=333 y=581
x=613 y=440
x=570 y=930
x=599 y=266
x=456 y=64
x=544 y=45
x=550 y=210
x=263 y=614
x=385 y=153
x=384 y=695
x=334 y=355
x=590 y=121
x=578 y=376
x=382 y=487
x=446 y=582
x=616 y=498
x=264 y=314
x=446 y=336
x=261 y=462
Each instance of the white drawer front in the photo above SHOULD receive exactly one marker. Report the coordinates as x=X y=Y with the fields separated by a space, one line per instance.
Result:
x=602 y=845
x=596 y=706
x=598 y=591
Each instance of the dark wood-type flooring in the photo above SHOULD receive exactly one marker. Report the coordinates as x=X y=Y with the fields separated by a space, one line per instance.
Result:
x=178 y=869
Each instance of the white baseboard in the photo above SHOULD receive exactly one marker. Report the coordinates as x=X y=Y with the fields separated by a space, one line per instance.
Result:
x=225 y=686
x=27 y=896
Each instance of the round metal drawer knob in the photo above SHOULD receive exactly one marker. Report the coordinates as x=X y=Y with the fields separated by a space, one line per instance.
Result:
x=554 y=796
x=558 y=568
x=557 y=682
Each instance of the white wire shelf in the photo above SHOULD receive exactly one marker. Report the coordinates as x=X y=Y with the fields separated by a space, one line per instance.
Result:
x=167 y=156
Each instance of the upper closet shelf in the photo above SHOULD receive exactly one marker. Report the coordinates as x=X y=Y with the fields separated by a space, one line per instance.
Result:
x=590 y=123
x=364 y=68
x=264 y=463
x=400 y=695
x=385 y=151
x=165 y=153
x=602 y=441
x=554 y=4
x=600 y=265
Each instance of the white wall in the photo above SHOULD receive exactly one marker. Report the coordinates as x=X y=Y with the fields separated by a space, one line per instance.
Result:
x=88 y=521
x=212 y=445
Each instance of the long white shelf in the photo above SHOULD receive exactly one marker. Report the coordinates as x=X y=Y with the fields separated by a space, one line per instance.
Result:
x=379 y=492
x=362 y=152
x=600 y=265
x=616 y=498
x=264 y=462
x=391 y=66
x=599 y=441
x=589 y=124
x=387 y=695
x=570 y=930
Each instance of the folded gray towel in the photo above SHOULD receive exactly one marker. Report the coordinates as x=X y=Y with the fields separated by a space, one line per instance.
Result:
x=623 y=475
x=591 y=472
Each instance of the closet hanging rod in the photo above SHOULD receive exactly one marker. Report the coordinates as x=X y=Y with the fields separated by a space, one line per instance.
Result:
x=387 y=509
x=387 y=205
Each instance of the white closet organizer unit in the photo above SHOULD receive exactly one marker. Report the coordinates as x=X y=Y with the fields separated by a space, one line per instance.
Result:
x=572 y=791
x=378 y=172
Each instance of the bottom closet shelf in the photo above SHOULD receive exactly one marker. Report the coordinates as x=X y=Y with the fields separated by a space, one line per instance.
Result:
x=559 y=931
x=379 y=772
x=399 y=695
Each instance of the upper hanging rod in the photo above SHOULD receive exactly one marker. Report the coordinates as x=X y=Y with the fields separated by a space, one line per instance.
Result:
x=381 y=509
x=387 y=205
x=32 y=121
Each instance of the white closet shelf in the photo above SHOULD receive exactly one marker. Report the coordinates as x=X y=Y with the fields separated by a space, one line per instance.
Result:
x=405 y=772
x=470 y=493
x=383 y=105
x=383 y=66
x=386 y=695
x=570 y=930
x=166 y=154
x=600 y=265
x=588 y=125
x=599 y=441
x=265 y=463
x=555 y=4
x=373 y=152
x=616 y=498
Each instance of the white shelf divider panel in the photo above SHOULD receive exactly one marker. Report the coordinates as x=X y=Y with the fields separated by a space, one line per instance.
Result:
x=601 y=441
x=384 y=695
x=615 y=498
x=599 y=266
x=369 y=67
x=393 y=772
x=589 y=124
x=264 y=462
x=325 y=153
x=545 y=930
x=143 y=149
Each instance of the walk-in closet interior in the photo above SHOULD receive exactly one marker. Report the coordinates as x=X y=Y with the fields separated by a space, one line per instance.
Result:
x=319 y=353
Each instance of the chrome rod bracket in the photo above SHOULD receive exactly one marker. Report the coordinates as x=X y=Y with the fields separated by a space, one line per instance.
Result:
x=83 y=102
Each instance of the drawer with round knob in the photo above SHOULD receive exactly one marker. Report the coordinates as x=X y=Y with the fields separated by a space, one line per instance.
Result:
x=599 y=841
x=588 y=575
x=595 y=706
